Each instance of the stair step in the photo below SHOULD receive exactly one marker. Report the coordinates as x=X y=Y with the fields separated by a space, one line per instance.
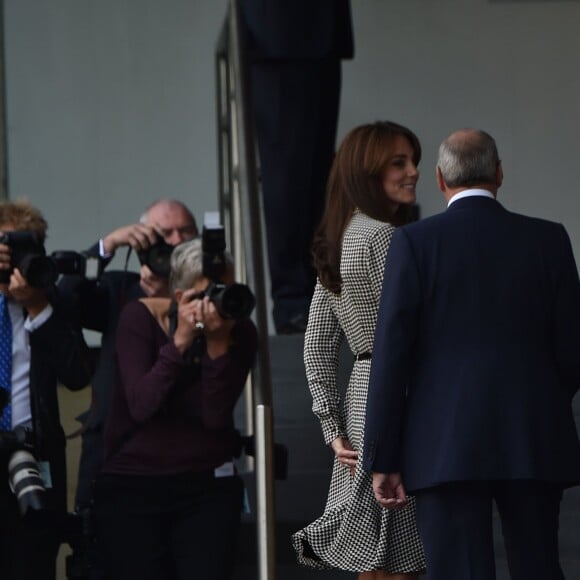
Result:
x=301 y=498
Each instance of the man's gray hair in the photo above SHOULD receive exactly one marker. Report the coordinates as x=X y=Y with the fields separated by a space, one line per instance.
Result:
x=468 y=157
x=186 y=265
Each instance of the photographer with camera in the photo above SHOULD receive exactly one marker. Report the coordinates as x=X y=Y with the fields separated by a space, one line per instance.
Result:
x=164 y=224
x=39 y=348
x=99 y=300
x=168 y=500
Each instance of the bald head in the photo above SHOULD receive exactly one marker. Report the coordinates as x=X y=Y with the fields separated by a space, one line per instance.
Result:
x=469 y=158
x=172 y=219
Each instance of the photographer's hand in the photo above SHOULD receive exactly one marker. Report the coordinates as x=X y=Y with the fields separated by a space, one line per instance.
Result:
x=138 y=236
x=216 y=329
x=5 y=254
x=152 y=285
x=33 y=299
x=186 y=330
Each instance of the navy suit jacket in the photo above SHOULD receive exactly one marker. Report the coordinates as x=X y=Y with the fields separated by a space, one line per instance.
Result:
x=477 y=351
x=58 y=355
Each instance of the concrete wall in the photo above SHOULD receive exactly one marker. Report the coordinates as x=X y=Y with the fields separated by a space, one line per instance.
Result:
x=111 y=102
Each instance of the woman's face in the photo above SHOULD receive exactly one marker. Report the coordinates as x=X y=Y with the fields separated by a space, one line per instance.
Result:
x=400 y=175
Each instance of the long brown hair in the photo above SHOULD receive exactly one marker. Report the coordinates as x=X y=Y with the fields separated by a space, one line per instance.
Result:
x=355 y=181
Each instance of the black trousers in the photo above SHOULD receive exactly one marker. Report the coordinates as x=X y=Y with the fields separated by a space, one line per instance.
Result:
x=28 y=545
x=296 y=106
x=168 y=527
x=455 y=525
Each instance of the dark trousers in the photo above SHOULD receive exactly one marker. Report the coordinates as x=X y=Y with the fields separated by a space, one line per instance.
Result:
x=168 y=527
x=29 y=545
x=296 y=109
x=455 y=525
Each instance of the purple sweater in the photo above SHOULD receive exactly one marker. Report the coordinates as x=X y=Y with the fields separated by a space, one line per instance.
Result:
x=178 y=414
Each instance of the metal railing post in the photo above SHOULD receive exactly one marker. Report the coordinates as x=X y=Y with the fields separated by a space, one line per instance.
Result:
x=240 y=206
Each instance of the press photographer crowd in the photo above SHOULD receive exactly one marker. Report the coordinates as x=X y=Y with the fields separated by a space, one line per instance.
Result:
x=158 y=493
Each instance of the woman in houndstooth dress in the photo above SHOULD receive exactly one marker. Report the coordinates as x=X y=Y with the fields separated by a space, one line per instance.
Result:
x=371 y=187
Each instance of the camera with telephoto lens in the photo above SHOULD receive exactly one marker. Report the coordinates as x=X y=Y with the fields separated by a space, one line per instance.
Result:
x=157 y=257
x=23 y=471
x=41 y=271
x=29 y=256
x=234 y=301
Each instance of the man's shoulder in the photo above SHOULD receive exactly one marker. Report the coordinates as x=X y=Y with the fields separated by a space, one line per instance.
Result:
x=423 y=225
x=119 y=276
x=121 y=281
x=533 y=221
x=444 y=219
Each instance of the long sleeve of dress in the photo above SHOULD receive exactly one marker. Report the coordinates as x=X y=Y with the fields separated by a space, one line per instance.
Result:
x=353 y=312
x=321 y=349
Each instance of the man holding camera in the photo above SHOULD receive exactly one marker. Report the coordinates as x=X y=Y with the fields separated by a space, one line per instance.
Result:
x=164 y=224
x=39 y=348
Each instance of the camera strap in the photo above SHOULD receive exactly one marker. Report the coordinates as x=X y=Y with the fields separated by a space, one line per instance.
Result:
x=172 y=318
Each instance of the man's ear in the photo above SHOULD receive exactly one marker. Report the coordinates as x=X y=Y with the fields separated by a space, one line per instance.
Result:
x=440 y=181
x=177 y=294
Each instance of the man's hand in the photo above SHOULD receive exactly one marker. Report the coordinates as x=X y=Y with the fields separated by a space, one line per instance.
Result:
x=5 y=255
x=138 y=236
x=33 y=299
x=389 y=491
x=152 y=285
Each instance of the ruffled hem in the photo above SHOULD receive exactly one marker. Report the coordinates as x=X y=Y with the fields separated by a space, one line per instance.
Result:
x=375 y=539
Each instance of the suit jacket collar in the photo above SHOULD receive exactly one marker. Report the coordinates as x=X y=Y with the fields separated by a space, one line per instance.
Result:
x=476 y=202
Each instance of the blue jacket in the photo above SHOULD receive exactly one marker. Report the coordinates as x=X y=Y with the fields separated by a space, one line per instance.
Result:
x=477 y=351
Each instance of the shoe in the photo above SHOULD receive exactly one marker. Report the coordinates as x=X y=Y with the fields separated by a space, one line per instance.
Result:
x=296 y=325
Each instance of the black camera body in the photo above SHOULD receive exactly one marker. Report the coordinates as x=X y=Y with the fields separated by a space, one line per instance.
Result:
x=40 y=270
x=23 y=472
x=69 y=262
x=29 y=256
x=234 y=301
x=157 y=257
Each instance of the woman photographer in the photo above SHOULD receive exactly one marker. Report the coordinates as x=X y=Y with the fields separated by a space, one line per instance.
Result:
x=168 y=501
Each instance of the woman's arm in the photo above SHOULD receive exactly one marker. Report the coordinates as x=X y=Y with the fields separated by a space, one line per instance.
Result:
x=223 y=377
x=321 y=348
x=148 y=372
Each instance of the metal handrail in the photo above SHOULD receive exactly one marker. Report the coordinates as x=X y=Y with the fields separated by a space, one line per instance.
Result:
x=241 y=215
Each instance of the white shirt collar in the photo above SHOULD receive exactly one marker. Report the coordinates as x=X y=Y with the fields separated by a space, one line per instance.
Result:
x=470 y=193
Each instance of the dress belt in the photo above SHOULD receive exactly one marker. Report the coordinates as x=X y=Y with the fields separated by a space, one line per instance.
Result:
x=363 y=356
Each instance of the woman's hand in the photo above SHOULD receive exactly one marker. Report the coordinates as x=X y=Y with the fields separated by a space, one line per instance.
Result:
x=216 y=329
x=197 y=316
x=345 y=453
x=186 y=330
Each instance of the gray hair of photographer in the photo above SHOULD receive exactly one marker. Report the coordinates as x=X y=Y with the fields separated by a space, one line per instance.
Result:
x=187 y=266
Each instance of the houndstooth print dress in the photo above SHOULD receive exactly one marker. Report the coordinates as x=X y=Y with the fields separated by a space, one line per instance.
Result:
x=354 y=533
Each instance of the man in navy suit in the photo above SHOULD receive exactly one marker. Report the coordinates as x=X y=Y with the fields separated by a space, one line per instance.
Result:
x=476 y=360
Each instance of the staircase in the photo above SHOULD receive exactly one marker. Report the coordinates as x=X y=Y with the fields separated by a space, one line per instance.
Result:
x=301 y=498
